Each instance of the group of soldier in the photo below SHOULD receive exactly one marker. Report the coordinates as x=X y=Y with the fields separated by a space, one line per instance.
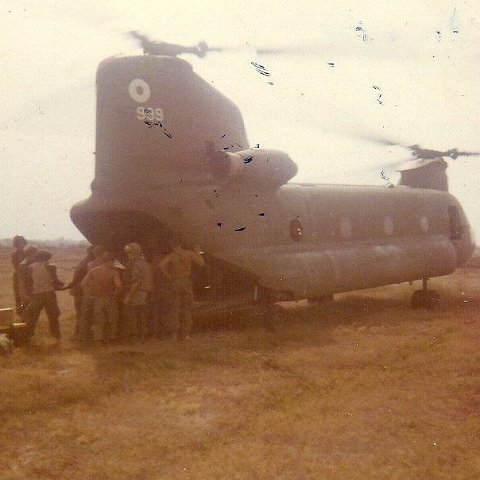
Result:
x=114 y=302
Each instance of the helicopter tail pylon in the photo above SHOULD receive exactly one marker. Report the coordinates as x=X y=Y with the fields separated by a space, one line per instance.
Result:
x=424 y=173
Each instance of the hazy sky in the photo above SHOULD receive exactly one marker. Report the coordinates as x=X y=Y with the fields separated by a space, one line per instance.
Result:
x=422 y=57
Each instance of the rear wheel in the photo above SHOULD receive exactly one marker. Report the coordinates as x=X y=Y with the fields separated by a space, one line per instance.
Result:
x=425 y=299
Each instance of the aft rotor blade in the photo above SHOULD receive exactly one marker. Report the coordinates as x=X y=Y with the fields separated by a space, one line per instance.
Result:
x=468 y=154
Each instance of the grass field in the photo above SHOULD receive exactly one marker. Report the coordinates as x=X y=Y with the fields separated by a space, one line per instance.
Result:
x=367 y=389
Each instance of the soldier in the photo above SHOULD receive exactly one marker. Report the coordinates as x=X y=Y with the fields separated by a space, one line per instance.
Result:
x=96 y=261
x=19 y=244
x=161 y=299
x=86 y=317
x=24 y=279
x=138 y=283
x=44 y=283
x=76 y=290
x=177 y=267
x=104 y=285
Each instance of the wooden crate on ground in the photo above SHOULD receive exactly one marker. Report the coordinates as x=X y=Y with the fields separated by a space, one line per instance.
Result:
x=16 y=331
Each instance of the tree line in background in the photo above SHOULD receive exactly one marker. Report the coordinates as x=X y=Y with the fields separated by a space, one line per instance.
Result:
x=55 y=243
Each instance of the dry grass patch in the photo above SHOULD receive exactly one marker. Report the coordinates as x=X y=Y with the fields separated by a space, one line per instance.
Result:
x=368 y=389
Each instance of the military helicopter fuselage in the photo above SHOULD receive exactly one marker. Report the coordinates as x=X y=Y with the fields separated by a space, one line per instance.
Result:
x=173 y=161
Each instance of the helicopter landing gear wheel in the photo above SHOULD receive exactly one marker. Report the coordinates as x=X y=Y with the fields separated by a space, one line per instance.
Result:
x=425 y=298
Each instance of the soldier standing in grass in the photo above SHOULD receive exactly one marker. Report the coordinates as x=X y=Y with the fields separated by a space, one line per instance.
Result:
x=86 y=317
x=24 y=278
x=19 y=244
x=44 y=283
x=177 y=267
x=76 y=290
x=138 y=284
x=161 y=299
x=104 y=285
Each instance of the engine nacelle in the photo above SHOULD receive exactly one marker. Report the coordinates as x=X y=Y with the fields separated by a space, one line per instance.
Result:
x=259 y=168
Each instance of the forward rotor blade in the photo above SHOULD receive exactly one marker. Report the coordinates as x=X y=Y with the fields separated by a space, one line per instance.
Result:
x=468 y=154
x=292 y=50
x=417 y=151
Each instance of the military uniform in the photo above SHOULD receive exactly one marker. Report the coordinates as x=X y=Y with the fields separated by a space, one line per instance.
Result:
x=103 y=284
x=134 y=321
x=178 y=267
x=44 y=284
x=180 y=318
x=76 y=290
x=161 y=300
x=17 y=258
x=87 y=313
x=24 y=280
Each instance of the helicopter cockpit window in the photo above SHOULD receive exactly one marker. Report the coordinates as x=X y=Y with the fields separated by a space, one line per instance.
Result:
x=296 y=230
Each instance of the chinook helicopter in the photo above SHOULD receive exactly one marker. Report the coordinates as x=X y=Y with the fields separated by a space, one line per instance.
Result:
x=173 y=162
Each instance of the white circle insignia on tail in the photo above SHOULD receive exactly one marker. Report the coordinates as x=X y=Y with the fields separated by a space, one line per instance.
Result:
x=139 y=90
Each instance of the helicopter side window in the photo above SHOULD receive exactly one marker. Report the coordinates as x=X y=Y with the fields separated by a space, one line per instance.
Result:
x=424 y=224
x=456 y=227
x=296 y=230
x=388 y=225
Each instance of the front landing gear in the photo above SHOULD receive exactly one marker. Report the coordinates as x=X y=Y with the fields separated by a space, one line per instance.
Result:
x=425 y=298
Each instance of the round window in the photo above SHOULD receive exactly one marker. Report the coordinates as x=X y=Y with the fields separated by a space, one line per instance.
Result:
x=296 y=230
x=388 y=225
x=424 y=224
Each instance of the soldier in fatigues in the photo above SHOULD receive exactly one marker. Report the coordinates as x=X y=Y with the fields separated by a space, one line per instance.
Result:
x=177 y=267
x=104 y=285
x=19 y=244
x=138 y=284
x=24 y=280
x=76 y=290
x=161 y=299
x=86 y=317
x=44 y=283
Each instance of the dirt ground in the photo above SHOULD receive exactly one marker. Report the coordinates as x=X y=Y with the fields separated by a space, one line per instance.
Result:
x=366 y=389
